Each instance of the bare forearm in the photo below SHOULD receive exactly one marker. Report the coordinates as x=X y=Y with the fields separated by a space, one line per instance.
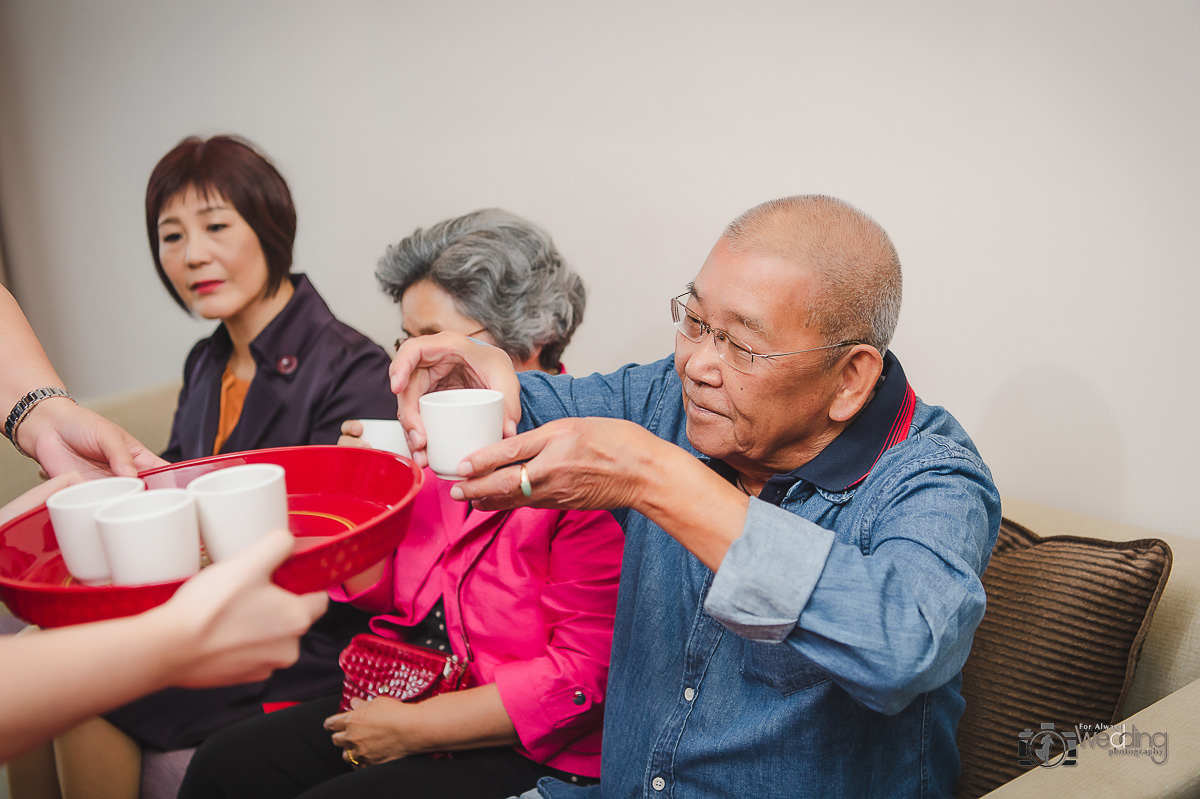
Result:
x=690 y=501
x=470 y=719
x=52 y=679
x=23 y=363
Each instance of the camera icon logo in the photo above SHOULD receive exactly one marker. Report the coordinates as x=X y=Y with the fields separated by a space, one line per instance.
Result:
x=1047 y=746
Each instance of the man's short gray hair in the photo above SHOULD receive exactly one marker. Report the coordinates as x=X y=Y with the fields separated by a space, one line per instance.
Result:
x=502 y=271
x=858 y=284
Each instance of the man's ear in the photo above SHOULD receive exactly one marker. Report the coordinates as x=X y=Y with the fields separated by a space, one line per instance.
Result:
x=859 y=372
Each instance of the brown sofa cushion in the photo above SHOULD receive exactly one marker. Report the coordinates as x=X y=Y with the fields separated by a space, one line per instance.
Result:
x=1064 y=626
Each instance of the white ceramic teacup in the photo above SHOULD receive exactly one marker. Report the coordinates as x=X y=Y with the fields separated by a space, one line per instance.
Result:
x=457 y=423
x=385 y=434
x=239 y=505
x=150 y=537
x=73 y=517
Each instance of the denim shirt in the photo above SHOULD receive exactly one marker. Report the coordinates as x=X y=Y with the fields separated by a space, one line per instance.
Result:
x=824 y=657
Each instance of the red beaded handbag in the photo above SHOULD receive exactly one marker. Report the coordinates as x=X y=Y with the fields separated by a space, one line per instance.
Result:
x=376 y=666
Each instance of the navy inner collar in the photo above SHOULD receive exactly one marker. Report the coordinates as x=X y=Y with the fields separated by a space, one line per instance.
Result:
x=850 y=457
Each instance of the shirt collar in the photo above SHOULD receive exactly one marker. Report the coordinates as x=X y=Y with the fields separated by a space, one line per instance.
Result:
x=849 y=458
x=289 y=334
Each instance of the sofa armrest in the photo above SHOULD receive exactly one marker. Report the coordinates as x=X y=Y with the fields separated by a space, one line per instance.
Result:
x=1101 y=773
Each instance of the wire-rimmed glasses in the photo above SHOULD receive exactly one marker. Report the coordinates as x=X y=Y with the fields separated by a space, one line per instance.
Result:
x=729 y=349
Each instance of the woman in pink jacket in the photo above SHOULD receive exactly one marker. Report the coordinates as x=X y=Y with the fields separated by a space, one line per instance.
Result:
x=527 y=595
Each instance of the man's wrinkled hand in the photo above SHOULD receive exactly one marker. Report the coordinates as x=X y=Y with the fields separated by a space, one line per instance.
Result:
x=577 y=464
x=445 y=361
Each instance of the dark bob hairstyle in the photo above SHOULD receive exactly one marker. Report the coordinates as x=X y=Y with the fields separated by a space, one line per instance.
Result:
x=231 y=168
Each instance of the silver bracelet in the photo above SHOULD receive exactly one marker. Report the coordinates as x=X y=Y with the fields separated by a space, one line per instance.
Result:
x=26 y=404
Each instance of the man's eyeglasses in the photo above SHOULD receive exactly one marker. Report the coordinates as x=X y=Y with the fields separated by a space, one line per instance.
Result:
x=729 y=349
x=406 y=337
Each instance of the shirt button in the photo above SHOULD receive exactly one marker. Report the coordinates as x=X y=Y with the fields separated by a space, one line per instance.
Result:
x=579 y=698
x=286 y=365
x=689 y=694
x=658 y=783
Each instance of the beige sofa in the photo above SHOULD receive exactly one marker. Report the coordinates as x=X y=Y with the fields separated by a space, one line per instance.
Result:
x=1165 y=694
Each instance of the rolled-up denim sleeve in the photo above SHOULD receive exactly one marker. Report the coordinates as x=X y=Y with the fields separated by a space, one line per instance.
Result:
x=768 y=574
x=889 y=619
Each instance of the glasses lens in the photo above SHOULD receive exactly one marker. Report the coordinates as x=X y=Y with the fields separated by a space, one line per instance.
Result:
x=736 y=355
x=687 y=322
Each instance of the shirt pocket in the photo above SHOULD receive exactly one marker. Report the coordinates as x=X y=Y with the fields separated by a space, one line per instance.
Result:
x=781 y=667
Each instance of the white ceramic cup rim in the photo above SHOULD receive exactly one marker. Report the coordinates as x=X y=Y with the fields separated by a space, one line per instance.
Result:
x=248 y=476
x=93 y=492
x=386 y=435
x=130 y=508
x=460 y=397
x=381 y=426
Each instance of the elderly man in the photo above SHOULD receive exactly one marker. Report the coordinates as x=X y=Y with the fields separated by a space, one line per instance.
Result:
x=804 y=537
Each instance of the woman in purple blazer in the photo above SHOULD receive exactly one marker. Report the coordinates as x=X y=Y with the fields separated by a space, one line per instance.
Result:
x=279 y=370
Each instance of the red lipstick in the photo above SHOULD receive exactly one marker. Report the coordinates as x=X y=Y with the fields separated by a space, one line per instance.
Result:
x=206 y=286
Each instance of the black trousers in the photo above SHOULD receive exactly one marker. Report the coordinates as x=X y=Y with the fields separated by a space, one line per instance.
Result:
x=289 y=754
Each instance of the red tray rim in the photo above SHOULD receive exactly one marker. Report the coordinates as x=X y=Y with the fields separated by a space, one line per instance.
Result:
x=83 y=590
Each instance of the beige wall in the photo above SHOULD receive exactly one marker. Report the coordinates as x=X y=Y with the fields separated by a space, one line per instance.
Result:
x=1035 y=163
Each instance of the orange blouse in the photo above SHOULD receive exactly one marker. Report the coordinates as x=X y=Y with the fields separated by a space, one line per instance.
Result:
x=233 y=397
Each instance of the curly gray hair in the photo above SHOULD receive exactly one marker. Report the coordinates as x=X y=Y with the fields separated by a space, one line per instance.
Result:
x=502 y=271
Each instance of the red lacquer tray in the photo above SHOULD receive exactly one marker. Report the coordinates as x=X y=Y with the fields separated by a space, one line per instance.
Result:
x=347 y=507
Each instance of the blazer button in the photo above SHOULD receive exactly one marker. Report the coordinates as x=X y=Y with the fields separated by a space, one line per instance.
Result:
x=579 y=698
x=286 y=365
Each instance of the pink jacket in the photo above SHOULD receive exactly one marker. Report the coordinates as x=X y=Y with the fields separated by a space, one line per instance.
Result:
x=537 y=609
